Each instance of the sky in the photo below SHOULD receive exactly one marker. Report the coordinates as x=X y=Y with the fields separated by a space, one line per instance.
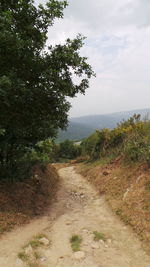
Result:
x=118 y=48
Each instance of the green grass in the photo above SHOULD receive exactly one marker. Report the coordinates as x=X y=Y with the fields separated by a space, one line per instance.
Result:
x=103 y=161
x=39 y=236
x=99 y=236
x=75 y=241
x=23 y=256
x=35 y=243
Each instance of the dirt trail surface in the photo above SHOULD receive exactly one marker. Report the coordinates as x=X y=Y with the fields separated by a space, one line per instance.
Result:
x=78 y=210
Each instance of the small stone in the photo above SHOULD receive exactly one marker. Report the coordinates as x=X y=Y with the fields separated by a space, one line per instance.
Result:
x=102 y=242
x=44 y=241
x=79 y=255
x=42 y=259
x=106 y=246
x=68 y=223
x=95 y=245
x=29 y=250
x=109 y=241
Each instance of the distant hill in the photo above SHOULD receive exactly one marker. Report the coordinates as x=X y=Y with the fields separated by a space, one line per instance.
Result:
x=75 y=131
x=108 y=120
x=81 y=127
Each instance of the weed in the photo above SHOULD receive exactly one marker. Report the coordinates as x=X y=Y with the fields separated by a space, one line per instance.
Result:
x=23 y=256
x=119 y=211
x=99 y=236
x=75 y=242
x=35 y=243
x=40 y=236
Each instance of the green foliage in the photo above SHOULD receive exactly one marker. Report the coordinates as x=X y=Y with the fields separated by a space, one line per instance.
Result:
x=130 y=139
x=34 y=82
x=23 y=256
x=69 y=150
x=99 y=236
x=75 y=242
x=137 y=147
x=43 y=153
x=89 y=144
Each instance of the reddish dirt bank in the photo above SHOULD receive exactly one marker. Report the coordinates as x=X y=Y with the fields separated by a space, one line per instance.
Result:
x=22 y=201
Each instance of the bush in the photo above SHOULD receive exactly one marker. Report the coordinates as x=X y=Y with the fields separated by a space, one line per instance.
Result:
x=69 y=150
x=137 y=145
x=20 y=168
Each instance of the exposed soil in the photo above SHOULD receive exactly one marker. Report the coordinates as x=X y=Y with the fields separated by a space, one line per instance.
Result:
x=127 y=190
x=80 y=210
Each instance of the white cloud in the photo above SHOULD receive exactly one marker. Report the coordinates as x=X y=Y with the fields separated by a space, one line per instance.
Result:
x=117 y=45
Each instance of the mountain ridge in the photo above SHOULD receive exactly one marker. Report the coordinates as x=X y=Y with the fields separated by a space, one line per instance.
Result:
x=81 y=127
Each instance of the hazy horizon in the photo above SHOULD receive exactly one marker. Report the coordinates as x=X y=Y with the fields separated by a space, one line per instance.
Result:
x=121 y=111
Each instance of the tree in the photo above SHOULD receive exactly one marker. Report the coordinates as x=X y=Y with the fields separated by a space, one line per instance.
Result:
x=34 y=81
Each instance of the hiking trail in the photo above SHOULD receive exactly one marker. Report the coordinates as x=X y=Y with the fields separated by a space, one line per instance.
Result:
x=78 y=210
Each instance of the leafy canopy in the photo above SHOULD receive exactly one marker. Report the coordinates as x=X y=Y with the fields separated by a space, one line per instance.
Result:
x=35 y=80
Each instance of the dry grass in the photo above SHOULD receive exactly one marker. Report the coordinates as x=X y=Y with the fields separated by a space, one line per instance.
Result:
x=127 y=190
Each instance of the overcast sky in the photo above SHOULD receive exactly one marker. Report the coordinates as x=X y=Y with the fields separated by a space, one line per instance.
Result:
x=117 y=47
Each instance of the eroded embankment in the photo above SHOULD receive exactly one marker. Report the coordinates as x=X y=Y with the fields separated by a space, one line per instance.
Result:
x=22 y=201
x=127 y=189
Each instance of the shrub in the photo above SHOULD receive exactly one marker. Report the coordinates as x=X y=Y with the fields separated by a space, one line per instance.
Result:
x=131 y=139
x=69 y=150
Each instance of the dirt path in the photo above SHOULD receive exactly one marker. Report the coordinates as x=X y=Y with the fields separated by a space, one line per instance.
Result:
x=78 y=210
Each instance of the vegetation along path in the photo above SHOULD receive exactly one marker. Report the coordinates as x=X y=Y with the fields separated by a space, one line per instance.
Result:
x=81 y=230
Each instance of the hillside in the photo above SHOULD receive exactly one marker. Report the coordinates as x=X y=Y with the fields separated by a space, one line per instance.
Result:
x=108 y=120
x=75 y=131
x=82 y=127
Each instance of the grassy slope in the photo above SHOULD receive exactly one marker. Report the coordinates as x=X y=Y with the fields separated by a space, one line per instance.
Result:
x=127 y=189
